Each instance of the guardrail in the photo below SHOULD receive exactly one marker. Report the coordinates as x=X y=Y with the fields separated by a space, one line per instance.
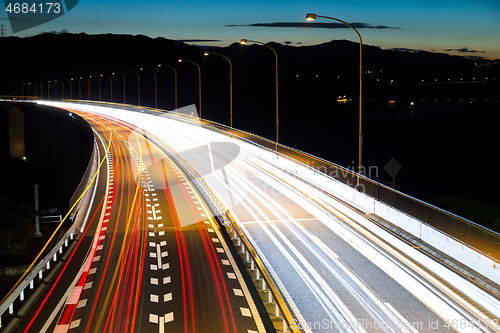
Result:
x=44 y=267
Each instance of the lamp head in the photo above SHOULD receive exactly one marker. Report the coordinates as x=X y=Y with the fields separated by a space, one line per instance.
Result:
x=244 y=42
x=206 y=53
x=311 y=17
x=142 y=68
x=180 y=60
x=101 y=74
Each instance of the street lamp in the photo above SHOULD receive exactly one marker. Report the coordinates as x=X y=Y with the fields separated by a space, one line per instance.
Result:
x=41 y=89
x=55 y=89
x=138 y=86
x=99 y=79
x=48 y=89
x=245 y=42
x=70 y=88
x=62 y=88
x=156 y=86
x=312 y=17
x=88 y=81
x=230 y=86
x=79 y=88
x=199 y=81
x=111 y=86
x=175 y=83
x=123 y=76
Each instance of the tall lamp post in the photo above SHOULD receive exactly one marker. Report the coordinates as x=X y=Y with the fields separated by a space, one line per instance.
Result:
x=79 y=88
x=199 y=81
x=138 y=86
x=312 y=17
x=111 y=80
x=88 y=82
x=48 y=89
x=245 y=42
x=55 y=90
x=156 y=85
x=62 y=88
x=230 y=86
x=175 y=83
x=123 y=76
x=70 y=88
x=99 y=79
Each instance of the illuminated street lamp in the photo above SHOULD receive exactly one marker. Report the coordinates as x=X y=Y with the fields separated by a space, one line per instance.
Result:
x=99 y=79
x=123 y=76
x=175 y=82
x=88 y=81
x=245 y=42
x=312 y=17
x=230 y=86
x=199 y=81
x=48 y=89
x=156 y=86
x=138 y=86
x=70 y=88
x=111 y=80
x=55 y=89
x=79 y=88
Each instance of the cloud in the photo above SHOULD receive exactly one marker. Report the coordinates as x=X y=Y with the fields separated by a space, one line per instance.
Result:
x=197 y=40
x=356 y=25
x=464 y=50
x=404 y=49
x=287 y=42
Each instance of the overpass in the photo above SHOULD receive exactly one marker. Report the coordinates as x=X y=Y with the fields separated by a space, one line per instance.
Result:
x=322 y=255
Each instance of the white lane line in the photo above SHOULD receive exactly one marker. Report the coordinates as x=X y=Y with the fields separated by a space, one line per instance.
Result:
x=245 y=312
x=74 y=323
x=158 y=252
x=75 y=295
x=81 y=303
x=154 y=213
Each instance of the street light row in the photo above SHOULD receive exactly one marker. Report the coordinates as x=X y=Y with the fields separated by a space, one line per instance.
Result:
x=309 y=17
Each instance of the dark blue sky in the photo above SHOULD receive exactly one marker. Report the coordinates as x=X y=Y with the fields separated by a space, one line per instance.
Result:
x=467 y=28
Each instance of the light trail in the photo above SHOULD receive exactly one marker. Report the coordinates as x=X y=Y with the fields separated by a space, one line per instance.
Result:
x=277 y=213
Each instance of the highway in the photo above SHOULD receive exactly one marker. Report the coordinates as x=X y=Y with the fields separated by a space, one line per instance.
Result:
x=161 y=263
x=337 y=269
x=154 y=258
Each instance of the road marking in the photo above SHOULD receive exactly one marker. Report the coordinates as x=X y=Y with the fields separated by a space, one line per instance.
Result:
x=210 y=230
x=87 y=285
x=152 y=255
x=159 y=254
x=99 y=247
x=246 y=312
x=151 y=225
x=215 y=240
x=102 y=237
x=163 y=243
x=167 y=297
x=154 y=281
x=81 y=303
x=92 y=271
x=152 y=244
x=74 y=323
x=166 y=266
x=151 y=234
x=153 y=318
x=160 y=225
x=225 y=262
x=96 y=258
x=164 y=254
x=238 y=292
x=154 y=298
x=153 y=267
x=220 y=250
x=154 y=213
x=161 y=233
x=167 y=279
x=75 y=294
x=169 y=317
x=232 y=276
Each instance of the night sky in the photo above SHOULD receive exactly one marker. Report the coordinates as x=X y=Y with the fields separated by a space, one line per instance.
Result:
x=458 y=27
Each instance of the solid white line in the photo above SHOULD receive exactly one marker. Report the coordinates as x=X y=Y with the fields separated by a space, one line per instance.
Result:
x=158 y=253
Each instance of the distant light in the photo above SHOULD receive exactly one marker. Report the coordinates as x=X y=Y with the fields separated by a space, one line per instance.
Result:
x=24 y=158
x=70 y=114
x=206 y=53
x=244 y=42
x=180 y=60
x=412 y=103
